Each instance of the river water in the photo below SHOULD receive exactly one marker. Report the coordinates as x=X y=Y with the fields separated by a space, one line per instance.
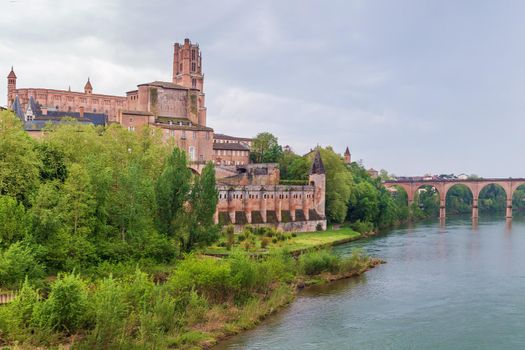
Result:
x=444 y=287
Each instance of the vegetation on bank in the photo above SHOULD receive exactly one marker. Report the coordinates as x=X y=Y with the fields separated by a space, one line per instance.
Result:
x=201 y=301
x=263 y=240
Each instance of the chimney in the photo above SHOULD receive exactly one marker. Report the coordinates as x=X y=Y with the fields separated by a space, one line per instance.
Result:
x=81 y=111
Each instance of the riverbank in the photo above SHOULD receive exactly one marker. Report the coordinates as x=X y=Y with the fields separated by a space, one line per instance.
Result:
x=253 y=314
x=202 y=301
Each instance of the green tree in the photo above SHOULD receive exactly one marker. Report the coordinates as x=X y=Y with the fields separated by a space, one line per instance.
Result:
x=172 y=191
x=19 y=163
x=77 y=203
x=338 y=184
x=202 y=204
x=265 y=149
x=13 y=221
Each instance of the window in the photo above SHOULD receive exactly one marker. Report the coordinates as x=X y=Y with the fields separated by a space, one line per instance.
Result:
x=194 y=135
x=180 y=70
x=192 y=54
x=193 y=66
x=131 y=128
x=191 y=151
x=194 y=83
x=183 y=135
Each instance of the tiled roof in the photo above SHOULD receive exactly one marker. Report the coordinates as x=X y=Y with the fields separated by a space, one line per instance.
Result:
x=17 y=108
x=95 y=118
x=166 y=85
x=228 y=137
x=230 y=146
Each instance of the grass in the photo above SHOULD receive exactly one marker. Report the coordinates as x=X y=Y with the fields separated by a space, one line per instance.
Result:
x=301 y=242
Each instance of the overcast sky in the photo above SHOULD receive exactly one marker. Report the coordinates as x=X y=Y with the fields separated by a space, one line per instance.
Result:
x=413 y=87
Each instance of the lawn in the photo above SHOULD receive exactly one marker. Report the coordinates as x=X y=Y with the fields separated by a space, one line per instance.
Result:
x=293 y=242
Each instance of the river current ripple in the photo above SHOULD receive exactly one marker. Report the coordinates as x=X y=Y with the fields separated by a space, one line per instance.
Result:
x=455 y=286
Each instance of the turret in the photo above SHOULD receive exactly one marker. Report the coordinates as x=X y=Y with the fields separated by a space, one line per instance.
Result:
x=88 y=89
x=317 y=179
x=11 y=87
x=348 y=156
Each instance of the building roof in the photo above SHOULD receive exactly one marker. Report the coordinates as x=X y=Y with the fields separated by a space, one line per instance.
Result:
x=230 y=146
x=12 y=74
x=94 y=118
x=317 y=164
x=137 y=113
x=17 y=108
x=228 y=137
x=347 y=152
x=165 y=85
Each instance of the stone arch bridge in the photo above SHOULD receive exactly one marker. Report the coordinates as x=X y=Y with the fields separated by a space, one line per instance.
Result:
x=474 y=185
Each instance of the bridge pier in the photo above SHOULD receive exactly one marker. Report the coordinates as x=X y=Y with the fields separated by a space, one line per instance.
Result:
x=509 y=209
x=475 y=208
x=442 y=213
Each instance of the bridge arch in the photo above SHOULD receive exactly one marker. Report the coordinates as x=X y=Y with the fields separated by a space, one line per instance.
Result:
x=458 y=202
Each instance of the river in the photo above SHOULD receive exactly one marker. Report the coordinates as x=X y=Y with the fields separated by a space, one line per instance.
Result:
x=444 y=287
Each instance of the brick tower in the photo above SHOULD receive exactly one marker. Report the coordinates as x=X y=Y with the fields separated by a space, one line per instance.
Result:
x=187 y=71
x=11 y=87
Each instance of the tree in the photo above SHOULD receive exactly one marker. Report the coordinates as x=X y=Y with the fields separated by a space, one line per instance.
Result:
x=265 y=149
x=172 y=190
x=77 y=203
x=293 y=166
x=13 y=221
x=19 y=164
x=202 y=204
x=338 y=184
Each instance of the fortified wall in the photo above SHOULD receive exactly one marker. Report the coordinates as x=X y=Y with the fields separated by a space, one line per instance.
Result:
x=252 y=194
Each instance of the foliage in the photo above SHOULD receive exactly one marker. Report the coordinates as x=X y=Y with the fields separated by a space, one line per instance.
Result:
x=19 y=162
x=265 y=149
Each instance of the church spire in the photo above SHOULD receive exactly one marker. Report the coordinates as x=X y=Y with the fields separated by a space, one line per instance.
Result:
x=88 y=89
x=317 y=164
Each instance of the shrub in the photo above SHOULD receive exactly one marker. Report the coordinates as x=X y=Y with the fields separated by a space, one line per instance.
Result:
x=362 y=226
x=66 y=308
x=209 y=277
x=294 y=234
x=17 y=262
x=313 y=263
x=274 y=240
x=230 y=236
x=110 y=313
x=264 y=242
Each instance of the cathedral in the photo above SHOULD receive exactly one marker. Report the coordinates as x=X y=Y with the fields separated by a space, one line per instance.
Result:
x=177 y=107
x=248 y=193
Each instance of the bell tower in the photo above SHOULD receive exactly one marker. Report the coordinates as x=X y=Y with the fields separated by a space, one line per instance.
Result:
x=11 y=87
x=187 y=65
x=187 y=72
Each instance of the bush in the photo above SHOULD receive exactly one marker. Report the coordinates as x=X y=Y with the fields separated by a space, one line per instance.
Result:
x=110 y=314
x=313 y=263
x=17 y=262
x=230 y=236
x=66 y=308
x=264 y=242
x=294 y=234
x=274 y=240
x=362 y=226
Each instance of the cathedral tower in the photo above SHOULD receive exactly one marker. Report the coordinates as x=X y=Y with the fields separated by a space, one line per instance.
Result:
x=187 y=72
x=11 y=87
